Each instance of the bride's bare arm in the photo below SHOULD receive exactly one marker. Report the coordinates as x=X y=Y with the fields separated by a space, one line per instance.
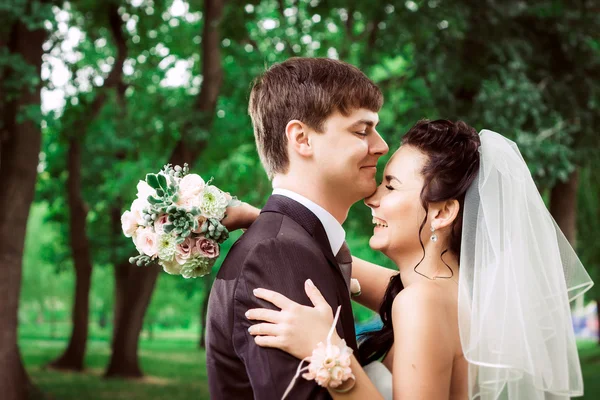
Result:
x=423 y=346
x=373 y=281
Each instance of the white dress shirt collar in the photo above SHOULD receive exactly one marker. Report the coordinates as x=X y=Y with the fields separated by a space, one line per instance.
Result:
x=333 y=229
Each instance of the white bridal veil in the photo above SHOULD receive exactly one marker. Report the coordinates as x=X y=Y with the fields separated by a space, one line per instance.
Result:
x=518 y=274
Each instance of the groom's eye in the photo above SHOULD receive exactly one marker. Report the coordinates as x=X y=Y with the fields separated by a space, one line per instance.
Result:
x=361 y=133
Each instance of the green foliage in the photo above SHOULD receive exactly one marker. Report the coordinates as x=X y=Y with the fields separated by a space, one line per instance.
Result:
x=528 y=71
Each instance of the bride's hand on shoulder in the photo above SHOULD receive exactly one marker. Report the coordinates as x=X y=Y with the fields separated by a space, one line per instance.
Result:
x=295 y=329
x=240 y=217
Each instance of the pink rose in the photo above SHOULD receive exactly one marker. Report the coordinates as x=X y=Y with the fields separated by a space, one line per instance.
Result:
x=329 y=362
x=146 y=242
x=183 y=251
x=191 y=185
x=160 y=221
x=207 y=248
x=337 y=373
x=322 y=377
x=188 y=201
x=201 y=220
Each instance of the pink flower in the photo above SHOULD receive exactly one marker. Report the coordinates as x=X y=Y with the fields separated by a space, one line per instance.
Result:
x=183 y=251
x=207 y=248
x=337 y=373
x=160 y=221
x=323 y=377
x=146 y=242
x=201 y=220
x=189 y=201
x=191 y=185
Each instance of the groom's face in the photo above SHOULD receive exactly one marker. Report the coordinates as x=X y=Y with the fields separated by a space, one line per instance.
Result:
x=347 y=153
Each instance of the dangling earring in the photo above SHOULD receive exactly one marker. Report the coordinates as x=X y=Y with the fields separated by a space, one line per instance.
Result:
x=434 y=237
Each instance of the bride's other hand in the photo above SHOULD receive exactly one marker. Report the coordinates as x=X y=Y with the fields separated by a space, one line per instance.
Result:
x=295 y=329
x=240 y=217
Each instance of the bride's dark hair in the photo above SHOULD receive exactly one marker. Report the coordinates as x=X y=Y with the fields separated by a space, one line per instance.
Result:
x=452 y=165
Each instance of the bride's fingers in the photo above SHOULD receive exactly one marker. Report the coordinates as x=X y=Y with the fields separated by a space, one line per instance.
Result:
x=264 y=314
x=273 y=297
x=264 y=329
x=269 y=341
x=315 y=295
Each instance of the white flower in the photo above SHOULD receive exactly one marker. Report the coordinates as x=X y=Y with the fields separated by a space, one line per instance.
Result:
x=197 y=267
x=167 y=246
x=191 y=185
x=214 y=203
x=171 y=267
x=129 y=223
x=144 y=190
x=146 y=242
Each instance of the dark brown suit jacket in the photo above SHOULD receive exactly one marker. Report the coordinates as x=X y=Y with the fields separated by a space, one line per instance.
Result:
x=285 y=246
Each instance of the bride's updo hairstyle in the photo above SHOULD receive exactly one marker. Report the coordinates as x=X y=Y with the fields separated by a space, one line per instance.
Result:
x=452 y=164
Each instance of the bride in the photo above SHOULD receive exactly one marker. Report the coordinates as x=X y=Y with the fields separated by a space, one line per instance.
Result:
x=479 y=306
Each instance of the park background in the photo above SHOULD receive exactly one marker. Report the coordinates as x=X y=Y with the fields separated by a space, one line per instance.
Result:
x=94 y=94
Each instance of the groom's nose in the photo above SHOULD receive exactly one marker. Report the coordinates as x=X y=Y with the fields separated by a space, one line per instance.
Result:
x=378 y=146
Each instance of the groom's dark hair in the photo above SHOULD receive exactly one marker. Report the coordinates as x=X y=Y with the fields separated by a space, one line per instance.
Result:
x=309 y=90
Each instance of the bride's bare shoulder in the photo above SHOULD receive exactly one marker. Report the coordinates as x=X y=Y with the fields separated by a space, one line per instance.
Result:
x=421 y=299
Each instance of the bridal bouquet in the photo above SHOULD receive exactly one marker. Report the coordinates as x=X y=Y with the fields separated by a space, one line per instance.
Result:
x=176 y=221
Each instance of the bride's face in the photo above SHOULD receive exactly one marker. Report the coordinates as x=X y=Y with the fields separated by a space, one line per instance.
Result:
x=396 y=205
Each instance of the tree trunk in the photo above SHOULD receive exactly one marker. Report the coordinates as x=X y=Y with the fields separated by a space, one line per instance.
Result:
x=208 y=281
x=124 y=359
x=563 y=206
x=20 y=150
x=141 y=280
x=73 y=357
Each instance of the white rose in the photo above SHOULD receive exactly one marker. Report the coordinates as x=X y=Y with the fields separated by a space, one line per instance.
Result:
x=129 y=223
x=144 y=190
x=146 y=242
x=137 y=208
x=191 y=185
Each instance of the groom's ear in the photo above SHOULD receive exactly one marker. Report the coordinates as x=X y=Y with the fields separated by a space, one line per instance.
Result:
x=299 y=138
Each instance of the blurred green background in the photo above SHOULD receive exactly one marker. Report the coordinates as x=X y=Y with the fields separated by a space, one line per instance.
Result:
x=94 y=94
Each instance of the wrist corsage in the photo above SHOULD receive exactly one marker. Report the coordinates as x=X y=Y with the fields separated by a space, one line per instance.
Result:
x=176 y=222
x=329 y=364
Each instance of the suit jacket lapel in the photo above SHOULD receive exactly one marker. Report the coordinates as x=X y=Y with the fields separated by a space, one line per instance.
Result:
x=312 y=224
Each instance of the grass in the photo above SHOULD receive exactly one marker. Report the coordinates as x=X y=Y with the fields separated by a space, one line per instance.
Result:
x=175 y=369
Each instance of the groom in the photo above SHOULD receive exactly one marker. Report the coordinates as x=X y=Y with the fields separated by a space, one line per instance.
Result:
x=315 y=127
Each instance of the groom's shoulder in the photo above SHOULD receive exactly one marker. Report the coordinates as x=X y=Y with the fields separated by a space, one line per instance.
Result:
x=276 y=229
x=272 y=231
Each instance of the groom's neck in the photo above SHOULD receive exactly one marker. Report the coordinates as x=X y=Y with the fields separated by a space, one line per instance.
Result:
x=331 y=202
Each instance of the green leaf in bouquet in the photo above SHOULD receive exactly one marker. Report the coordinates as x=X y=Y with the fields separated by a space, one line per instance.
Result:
x=162 y=181
x=167 y=228
x=186 y=233
x=180 y=240
x=152 y=180
x=160 y=192
x=154 y=200
x=213 y=229
x=141 y=260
